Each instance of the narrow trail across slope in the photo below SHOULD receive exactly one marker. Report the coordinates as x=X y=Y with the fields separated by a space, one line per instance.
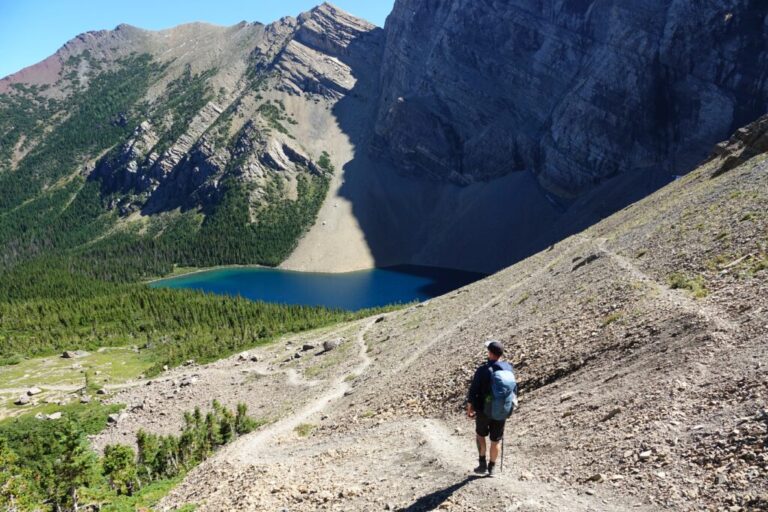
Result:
x=426 y=347
x=677 y=299
x=246 y=449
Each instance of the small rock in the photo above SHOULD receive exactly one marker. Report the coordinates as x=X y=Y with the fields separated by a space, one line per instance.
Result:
x=331 y=344
x=34 y=391
x=526 y=475
x=645 y=455
x=114 y=418
x=54 y=416
x=188 y=381
x=85 y=399
x=23 y=400
x=101 y=391
x=307 y=346
x=611 y=414
x=598 y=478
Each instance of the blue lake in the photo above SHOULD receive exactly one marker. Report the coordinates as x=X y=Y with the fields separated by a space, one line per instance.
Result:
x=350 y=291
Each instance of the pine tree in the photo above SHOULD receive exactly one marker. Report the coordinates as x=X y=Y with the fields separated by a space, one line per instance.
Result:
x=16 y=493
x=227 y=426
x=147 y=456
x=119 y=467
x=74 y=468
x=243 y=424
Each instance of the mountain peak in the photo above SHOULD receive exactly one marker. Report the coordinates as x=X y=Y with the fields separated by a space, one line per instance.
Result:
x=327 y=11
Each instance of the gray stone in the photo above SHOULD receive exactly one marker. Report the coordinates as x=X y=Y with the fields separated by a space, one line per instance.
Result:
x=22 y=400
x=331 y=344
x=188 y=381
x=72 y=354
x=115 y=418
x=34 y=391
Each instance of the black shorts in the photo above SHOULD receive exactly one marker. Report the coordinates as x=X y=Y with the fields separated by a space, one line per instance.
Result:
x=485 y=426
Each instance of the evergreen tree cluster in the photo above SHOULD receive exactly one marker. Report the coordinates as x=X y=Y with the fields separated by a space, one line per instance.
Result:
x=55 y=468
x=163 y=457
x=93 y=120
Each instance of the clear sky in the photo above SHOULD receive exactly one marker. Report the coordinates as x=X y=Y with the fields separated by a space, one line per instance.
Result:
x=31 y=30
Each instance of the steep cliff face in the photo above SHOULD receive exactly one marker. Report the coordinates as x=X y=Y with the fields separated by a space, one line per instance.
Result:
x=576 y=91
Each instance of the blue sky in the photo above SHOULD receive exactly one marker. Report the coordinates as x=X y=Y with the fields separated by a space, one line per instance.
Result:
x=31 y=30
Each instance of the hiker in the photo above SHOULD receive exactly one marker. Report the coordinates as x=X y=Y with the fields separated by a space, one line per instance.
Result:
x=491 y=399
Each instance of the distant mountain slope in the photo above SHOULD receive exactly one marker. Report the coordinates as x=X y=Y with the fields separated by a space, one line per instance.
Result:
x=197 y=145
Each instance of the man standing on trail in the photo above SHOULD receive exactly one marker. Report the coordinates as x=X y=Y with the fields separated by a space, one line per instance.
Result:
x=479 y=400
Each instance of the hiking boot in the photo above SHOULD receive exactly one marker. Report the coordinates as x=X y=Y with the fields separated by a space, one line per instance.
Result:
x=482 y=467
x=491 y=469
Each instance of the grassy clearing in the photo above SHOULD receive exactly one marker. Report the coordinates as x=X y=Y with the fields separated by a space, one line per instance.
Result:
x=116 y=365
x=59 y=378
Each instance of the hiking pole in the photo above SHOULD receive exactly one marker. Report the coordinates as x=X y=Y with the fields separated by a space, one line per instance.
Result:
x=501 y=469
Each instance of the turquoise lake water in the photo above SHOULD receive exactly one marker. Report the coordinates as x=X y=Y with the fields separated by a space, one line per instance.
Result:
x=350 y=291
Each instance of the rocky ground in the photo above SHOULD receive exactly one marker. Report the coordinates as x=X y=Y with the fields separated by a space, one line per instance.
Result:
x=640 y=346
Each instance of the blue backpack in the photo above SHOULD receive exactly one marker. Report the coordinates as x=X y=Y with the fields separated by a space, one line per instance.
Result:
x=502 y=400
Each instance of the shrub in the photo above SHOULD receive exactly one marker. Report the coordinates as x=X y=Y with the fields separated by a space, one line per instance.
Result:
x=695 y=285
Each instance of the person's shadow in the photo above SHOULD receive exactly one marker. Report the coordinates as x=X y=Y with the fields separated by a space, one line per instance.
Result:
x=433 y=500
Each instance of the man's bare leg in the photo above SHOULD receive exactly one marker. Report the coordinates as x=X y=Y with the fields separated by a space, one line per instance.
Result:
x=482 y=466
x=494 y=450
x=481 y=446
